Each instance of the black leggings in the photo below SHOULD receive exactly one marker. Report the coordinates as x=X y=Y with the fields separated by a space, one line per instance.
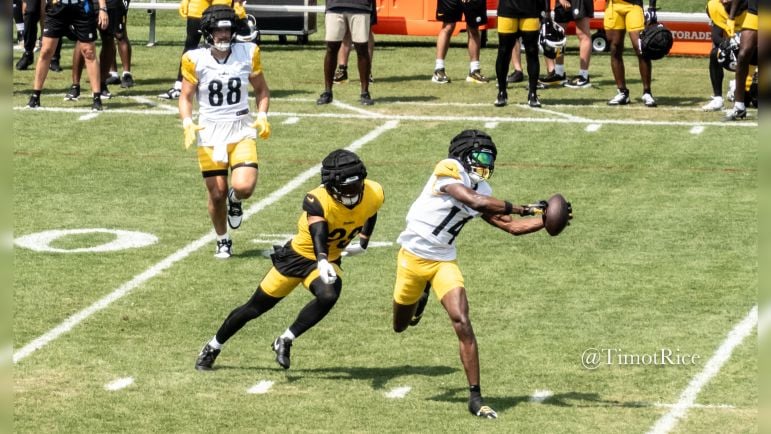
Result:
x=325 y=298
x=192 y=40
x=506 y=42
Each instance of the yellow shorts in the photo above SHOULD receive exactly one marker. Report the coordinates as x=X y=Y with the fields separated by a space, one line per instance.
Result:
x=750 y=22
x=620 y=15
x=413 y=272
x=514 y=25
x=277 y=285
x=243 y=153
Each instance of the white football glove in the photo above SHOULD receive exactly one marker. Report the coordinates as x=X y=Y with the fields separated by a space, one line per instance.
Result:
x=353 y=250
x=326 y=272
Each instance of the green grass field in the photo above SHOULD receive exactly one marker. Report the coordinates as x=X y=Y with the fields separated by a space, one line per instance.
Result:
x=661 y=255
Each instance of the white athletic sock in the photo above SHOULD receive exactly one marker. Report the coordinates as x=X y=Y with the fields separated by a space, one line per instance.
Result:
x=214 y=344
x=178 y=85
x=223 y=237
x=473 y=66
x=439 y=64
x=583 y=73
x=739 y=105
x=559 y=69
x=288 y=335
x=113 y=73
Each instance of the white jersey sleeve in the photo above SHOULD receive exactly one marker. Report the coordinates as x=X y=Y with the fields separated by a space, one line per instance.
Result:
x=435 y=219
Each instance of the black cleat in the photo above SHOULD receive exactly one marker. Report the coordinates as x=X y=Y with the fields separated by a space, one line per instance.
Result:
x=206 y=358
x=54 y=65
x=126 y=80
x=96 y=105
x=73 y=94
x=34 y=101
x=533 y=101
x=324 y=98
x=366 y=99
x=282 y=348
x=477 y=408
x=502 y=99
x=113 y=79
x=421 y=306
x=26 y=60
x=341 y=74
x=735 y=114
x=515 y=77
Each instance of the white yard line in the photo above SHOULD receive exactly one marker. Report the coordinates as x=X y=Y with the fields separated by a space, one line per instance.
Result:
x=118 y=384
x=89 y=116
x=291 y=120
x=398 y=392
x=687 y=398
x=593 y=128
x=541 y=395
x=260 y=388
x=697 y=129
x=370 y=115
x=182 y=253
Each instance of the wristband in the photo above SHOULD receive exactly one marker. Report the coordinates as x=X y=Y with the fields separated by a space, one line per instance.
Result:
x=508 y=208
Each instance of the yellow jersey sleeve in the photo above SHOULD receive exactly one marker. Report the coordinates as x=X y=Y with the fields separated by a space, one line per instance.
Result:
x=256 y=61
x=188 y=68
x=447 y=168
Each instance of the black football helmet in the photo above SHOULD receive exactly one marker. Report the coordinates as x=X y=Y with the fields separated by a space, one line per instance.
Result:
x=476 y=151
x=218 y=17
x=656 y=41
x=247 y=31
x=728 y=52
x=343 y=174
x=552 y=39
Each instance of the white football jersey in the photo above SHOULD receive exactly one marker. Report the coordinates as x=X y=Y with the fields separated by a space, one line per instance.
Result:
x=223 y=91
x=435 y=219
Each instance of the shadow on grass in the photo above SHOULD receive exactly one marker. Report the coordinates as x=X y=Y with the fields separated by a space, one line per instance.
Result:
x=567 y=399
x=378 y=377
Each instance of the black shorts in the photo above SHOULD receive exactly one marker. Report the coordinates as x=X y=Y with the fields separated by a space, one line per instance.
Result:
x=450 y=11
x=291 y=264
x=578 y=9
x=117 y=21
x=63 y=19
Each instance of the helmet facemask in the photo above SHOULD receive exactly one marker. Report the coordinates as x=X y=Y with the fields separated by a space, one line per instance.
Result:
x=480 y=164
x=343 y=175
x=348 y=191
x=218 y=17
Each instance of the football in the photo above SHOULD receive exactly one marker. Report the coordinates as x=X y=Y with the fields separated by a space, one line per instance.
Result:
x=558 y=214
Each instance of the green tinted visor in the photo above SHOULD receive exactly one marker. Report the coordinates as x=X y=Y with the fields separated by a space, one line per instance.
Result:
x=483 y=158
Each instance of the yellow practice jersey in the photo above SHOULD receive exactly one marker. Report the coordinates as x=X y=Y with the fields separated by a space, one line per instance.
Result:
x=195 y=8
x=344 y=223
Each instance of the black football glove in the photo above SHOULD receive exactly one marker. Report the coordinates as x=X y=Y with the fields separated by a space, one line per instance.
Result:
x=651 y=17
x=537 y=208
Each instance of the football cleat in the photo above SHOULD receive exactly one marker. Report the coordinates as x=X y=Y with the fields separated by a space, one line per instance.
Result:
x=54 y=65
x=96 y=105
x=34 y=101
x=477 y=408
x=224 y=249
x=440 y=76
x=282 y=348
x=25 y=61
x=206 y=358
x=621 y=98
x=515 y=77
x=126 y=80
x=648 y=100
x=73 y=94
x=324 y=98
x=578 y=82
x=170 y=94
x=106 y=92
x=476 y=76
x=735 y=114
x=113 y=79
x=366 y=99
x=714 y=105
x=552 y=79
x=235 y=212
x=533 y=101
x=502 y=99
x=341 y=74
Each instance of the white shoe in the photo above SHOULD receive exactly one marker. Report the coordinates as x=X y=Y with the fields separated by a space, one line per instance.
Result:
x=224 y=249
x=621 y=98
x=648 y=100
x=172 y=93
x=716 y=104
